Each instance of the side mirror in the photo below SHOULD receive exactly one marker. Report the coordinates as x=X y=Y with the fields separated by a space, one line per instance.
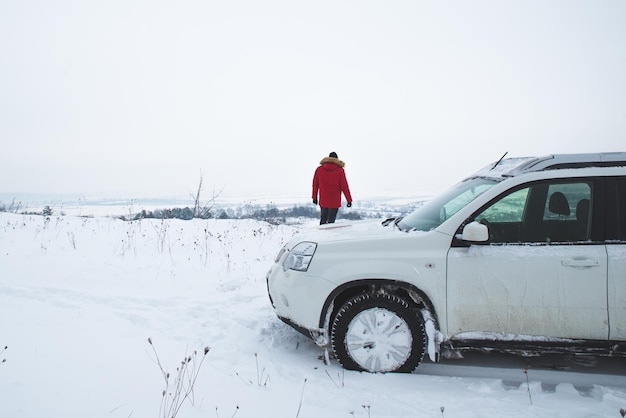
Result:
x=475 y=232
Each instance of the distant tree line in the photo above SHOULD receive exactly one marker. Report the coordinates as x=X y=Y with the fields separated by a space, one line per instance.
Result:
x=270 y=214
x=174 y=213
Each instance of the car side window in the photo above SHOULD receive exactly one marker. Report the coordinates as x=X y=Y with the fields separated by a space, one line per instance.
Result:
x=508 y=209
x=564 y=200
x=505 y=217
x=567 y=212
x=543 y=212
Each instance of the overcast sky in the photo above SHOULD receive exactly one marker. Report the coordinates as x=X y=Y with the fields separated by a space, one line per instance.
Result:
x=143 y=97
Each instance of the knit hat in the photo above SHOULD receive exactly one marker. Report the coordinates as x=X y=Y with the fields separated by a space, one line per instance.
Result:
x=333 y=155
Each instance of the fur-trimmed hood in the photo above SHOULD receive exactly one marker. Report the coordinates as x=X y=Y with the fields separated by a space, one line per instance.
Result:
x=332 y=160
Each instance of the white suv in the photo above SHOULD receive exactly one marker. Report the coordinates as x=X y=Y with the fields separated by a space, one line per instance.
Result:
x=526 y=255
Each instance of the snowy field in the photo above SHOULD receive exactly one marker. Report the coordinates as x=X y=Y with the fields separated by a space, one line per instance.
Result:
x=81 y=297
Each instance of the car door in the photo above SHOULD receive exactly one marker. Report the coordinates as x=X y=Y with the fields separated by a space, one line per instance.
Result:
x=539 y=275
x=616 y=250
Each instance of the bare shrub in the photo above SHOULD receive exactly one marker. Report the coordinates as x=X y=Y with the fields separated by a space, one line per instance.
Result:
x=180 y=387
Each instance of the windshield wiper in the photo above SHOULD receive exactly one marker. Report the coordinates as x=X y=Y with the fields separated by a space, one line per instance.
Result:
x=395 y=221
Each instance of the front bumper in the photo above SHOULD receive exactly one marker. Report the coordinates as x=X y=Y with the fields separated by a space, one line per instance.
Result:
x=298 y=300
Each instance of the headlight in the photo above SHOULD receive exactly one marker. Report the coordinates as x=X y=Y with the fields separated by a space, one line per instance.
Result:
x=300 y=257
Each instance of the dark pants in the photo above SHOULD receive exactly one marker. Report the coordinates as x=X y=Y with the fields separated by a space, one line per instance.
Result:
x=328 y=215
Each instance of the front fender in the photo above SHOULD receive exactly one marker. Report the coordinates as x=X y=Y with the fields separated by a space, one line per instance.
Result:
x=409 y=292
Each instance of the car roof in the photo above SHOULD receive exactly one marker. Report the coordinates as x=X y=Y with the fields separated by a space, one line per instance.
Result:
x=510 y=167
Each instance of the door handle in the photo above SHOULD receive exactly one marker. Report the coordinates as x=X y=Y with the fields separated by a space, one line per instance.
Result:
x=580 y=262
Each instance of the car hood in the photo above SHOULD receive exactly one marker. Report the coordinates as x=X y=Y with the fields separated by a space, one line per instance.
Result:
x=349 y=231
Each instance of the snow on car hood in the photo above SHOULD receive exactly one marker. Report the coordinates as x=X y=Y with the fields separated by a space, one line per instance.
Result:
x=346 y=231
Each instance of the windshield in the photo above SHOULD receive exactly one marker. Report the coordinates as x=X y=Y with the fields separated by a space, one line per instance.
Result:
x=434 y=212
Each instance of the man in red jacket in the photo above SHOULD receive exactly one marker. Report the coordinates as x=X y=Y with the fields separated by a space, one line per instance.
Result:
x=330 y=181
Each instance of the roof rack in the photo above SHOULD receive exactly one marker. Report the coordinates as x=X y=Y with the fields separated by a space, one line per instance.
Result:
x=511 y=167
x=563 y=161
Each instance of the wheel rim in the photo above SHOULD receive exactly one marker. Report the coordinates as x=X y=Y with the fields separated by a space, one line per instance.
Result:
x=379 y=340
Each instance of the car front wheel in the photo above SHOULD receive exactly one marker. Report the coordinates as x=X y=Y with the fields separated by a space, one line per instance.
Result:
x=378 y=333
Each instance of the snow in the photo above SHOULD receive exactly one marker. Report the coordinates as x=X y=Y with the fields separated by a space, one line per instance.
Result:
x=504 y=167
x=80 y=297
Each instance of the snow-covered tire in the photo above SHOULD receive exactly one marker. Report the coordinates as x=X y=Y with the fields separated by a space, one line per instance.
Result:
x=378 y=333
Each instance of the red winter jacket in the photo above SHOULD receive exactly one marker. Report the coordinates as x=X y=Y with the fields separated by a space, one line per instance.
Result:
x=330 y=181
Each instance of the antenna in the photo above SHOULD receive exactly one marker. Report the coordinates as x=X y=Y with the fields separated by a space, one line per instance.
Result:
x=499 y=161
